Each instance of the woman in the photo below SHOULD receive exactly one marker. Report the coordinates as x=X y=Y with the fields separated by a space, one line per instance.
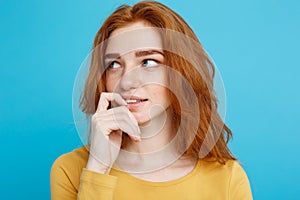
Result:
x=155 y=132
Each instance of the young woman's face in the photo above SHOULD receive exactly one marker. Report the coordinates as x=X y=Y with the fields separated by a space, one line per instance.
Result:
x=134 y=61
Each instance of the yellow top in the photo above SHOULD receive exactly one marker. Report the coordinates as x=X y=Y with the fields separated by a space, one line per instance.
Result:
x=208 y=180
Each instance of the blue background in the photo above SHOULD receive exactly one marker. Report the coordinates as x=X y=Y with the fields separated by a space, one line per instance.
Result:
x=255 y=45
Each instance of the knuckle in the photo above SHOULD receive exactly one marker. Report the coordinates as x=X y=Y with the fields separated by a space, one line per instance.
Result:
x=103 y=95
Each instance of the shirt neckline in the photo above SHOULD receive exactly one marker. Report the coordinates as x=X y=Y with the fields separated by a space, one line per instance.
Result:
x=159 y=184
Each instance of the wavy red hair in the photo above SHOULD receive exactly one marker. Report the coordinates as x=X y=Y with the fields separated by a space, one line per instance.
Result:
x=212 y=135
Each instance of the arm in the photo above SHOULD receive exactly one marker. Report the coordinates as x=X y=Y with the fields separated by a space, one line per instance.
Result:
x=67 y=183
x=95 y=185
x=61 y=184
x=69 y=180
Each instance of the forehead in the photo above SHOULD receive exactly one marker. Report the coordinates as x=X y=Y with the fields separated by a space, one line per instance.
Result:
x=136 y=36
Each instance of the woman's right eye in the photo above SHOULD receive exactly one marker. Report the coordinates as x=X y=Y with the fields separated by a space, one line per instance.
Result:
x=114 y=65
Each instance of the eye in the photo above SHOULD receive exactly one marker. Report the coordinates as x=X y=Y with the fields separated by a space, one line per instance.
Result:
x=114 y=65
x=150 y=63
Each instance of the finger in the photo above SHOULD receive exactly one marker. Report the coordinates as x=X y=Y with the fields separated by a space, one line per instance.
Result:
x=106 y=97
x=105 y=148
x=132 y=119
x=117 y=119
x=120 y=122
x=122 y=113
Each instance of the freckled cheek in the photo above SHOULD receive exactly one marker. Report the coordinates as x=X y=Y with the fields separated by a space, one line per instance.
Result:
x=111 y=84
x=160 y=95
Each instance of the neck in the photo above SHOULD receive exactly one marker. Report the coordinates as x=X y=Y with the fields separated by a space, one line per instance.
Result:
x=157 y=149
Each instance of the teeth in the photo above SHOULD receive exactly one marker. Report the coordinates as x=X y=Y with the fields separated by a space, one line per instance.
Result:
x=132 y=100
x=129 y=101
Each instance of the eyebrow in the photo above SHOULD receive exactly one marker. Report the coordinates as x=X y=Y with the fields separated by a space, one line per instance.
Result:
x=148 y=52
x=112 y=56
x=137 y=54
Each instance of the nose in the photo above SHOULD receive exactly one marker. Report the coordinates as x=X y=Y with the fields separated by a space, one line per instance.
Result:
x=131 y=78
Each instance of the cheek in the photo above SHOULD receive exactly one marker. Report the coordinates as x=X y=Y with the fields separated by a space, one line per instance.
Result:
x=161 y=95
x=110 y=83
x=109 y=87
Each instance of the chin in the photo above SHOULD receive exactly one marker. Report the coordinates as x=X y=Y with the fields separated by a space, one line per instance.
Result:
x=142 y=119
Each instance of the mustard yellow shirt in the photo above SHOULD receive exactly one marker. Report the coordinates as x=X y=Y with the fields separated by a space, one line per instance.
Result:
x=208 y=180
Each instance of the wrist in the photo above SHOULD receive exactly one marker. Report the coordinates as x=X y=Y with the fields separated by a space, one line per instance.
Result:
x=97 y=166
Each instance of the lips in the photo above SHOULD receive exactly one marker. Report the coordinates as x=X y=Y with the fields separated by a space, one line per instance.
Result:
x=133 y=101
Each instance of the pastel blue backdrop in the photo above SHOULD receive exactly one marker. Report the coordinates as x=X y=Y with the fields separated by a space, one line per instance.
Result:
x=255 y=45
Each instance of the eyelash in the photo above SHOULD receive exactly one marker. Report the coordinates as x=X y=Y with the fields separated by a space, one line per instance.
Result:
x=156 y=62
x=143 y=63
x=111 y=63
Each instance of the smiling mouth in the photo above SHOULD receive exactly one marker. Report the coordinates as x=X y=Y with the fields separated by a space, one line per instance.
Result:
x=133 y=101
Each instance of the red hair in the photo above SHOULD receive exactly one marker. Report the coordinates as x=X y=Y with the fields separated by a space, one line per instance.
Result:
x=212 y=135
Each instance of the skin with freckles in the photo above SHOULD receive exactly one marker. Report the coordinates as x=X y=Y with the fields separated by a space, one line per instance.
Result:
x=136 y=84
x=138 y=73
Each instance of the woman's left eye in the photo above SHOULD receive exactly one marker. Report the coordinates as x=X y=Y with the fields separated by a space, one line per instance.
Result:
x=150 y=63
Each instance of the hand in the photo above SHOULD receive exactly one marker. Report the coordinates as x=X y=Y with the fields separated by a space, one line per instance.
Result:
x=107 y=126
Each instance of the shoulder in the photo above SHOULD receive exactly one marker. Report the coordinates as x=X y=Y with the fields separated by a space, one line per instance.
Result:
x=68 y=167
x=231 y=173
x=230 y=167
x=230 y=179
x=77 y=157
x=239 y=185
x=230 y=176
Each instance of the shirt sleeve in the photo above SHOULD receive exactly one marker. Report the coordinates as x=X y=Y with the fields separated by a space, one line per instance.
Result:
x=69 y=183
x=94 y=185
x=239 y=187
